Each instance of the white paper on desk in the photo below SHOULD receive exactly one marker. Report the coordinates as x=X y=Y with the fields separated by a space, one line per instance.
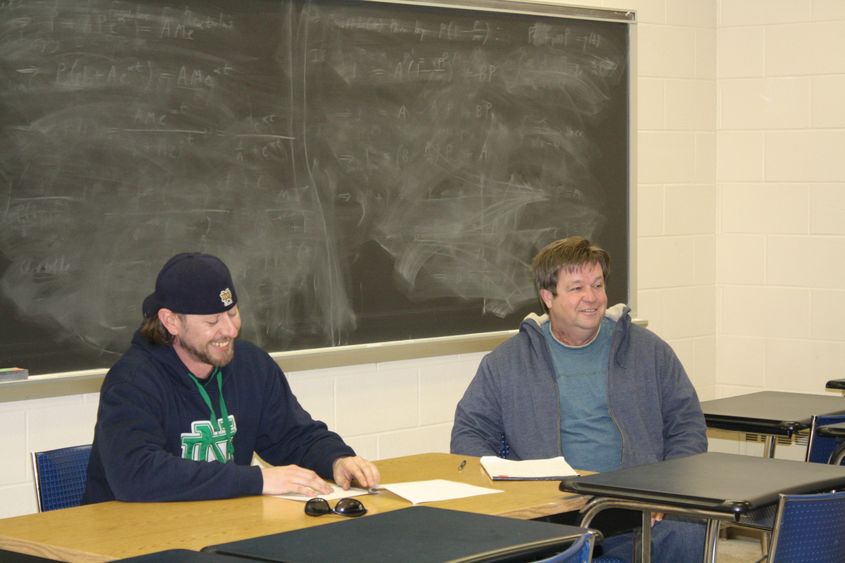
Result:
x=336 y=493
x=550 y=469
x=435 y=489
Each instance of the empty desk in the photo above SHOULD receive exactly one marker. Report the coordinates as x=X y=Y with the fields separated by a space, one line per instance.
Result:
x=713 y=486
x=418 y=534
x=773 y=413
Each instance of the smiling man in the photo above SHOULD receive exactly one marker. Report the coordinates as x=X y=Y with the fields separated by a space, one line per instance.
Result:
x=183 y=411
x=584 y=382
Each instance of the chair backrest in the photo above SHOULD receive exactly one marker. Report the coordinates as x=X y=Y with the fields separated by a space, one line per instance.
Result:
x=60 y=476
x=820 y=448
x=581 y=551
x=809 y=528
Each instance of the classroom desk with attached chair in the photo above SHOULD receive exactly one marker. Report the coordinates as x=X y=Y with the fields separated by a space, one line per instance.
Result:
x=714 y=486
x=772 y=413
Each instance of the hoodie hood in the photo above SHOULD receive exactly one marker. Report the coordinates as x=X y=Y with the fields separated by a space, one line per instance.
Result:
x=165 y=357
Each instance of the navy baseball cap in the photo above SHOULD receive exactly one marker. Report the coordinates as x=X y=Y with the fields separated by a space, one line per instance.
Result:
x=192 y=283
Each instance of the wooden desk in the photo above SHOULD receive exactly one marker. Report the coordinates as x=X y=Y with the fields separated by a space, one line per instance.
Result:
x=715 y=486
x=773 y=413
x=114 y=530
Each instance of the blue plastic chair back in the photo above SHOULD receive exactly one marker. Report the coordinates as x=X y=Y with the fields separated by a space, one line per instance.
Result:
x=820 y=447
x=581 y=551
x=809 y=528
x=60 y=476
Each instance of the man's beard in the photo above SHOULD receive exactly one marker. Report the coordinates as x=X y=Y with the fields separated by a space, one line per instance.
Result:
x=204 y=357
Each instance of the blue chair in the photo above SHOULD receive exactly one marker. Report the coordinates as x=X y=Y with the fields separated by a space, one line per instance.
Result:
x=809 y=528
x=825 y=447
x=60 y=476
x=581 y=551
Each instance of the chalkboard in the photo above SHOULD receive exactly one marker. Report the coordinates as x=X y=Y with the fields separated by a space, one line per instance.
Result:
x=369 y=171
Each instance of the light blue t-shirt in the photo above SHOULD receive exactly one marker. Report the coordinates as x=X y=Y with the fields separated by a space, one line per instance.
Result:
x=588 y=436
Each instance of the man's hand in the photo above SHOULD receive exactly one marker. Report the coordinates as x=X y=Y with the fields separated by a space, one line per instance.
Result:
x=293 y=479
x=656 y=517
x=349 y=469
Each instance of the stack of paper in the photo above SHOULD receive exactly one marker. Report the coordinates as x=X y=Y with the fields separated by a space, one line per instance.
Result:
x=435 y=489
x=337 y=493
x=550 y=469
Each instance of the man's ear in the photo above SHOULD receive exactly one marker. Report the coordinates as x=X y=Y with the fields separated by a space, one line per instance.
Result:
x=546 y=297
x=170 y=321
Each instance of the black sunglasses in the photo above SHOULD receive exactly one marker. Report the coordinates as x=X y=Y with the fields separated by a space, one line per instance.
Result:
x=344 y=507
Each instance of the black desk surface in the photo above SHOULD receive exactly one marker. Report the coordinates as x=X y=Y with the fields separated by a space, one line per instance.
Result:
x=183 y=556
x=769 y=412
x=15 y=557
x=726 y=483
x=415 y=534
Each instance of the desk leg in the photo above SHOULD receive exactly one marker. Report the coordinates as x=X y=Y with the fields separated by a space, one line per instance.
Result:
x=838 y=454
x=769 y=452
x=769 y=446
x=645 y=539
x=711 y=539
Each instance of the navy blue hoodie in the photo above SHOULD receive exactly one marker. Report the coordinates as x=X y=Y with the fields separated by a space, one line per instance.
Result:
x=148 y=400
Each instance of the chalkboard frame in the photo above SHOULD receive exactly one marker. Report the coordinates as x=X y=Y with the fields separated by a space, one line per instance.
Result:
x=316 y=358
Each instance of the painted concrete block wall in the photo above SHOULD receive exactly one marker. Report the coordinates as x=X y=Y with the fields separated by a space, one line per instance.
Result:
x=676 y=172
x=40 y=424
x=781 y=194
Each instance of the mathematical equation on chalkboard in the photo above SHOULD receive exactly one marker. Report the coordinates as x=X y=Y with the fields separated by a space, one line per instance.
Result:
x=367 y=170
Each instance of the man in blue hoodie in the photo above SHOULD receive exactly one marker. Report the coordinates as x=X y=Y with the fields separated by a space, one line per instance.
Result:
x=584 y=382
x=183 y=411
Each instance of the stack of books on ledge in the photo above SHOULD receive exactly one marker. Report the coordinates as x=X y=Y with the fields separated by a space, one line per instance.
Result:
x=13 y=374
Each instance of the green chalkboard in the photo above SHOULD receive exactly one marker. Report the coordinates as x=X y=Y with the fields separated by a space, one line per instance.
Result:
x=370 y=171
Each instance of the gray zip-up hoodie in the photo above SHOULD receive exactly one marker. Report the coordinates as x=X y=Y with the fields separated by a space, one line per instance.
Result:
x=514 y=397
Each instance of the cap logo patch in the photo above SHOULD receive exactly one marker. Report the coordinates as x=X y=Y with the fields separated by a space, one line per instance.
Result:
x=226 y=297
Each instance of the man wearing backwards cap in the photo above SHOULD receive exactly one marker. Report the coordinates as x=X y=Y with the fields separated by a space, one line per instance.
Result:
x=182 y=412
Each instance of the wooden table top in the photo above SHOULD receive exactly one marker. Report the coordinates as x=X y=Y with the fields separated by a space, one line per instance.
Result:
x=114 y=530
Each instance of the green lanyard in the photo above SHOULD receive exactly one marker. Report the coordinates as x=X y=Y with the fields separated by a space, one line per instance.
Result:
x=224 y=414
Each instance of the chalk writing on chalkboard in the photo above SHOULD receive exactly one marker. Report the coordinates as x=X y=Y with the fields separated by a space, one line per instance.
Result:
x=368 y=171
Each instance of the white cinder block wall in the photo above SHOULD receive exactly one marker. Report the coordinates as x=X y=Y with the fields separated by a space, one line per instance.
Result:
x=740 y=226
x=676 y=192
x=781 y=184
x=38 y=425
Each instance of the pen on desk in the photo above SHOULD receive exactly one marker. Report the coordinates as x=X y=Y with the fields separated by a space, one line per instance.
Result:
x=462 y=465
